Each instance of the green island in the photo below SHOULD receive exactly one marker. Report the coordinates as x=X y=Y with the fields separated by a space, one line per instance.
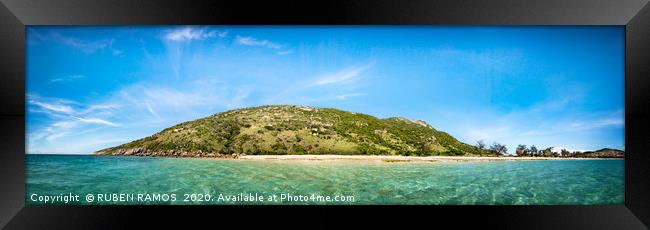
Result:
x=305 y=130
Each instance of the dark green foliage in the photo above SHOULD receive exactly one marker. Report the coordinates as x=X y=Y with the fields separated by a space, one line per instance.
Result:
x=366 y=149
x=454 y=152
x=279 y=148
x=299 y=149
x=521 y=150
x=533 y=151
x=547 y=152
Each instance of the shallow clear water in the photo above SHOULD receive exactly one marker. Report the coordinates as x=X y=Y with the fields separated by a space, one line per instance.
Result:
x=499 y=182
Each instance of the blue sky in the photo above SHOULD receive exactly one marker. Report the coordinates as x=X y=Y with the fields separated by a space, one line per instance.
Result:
x=93 y=87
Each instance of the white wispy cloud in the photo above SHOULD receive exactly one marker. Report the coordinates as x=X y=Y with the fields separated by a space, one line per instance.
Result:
x=55 y=136
x=96 y=121
x=61 y=108
x=63 y=124
x=347 y=75
x=86 y=46
x=55 y=130
x=520 y=127
x=174 y=98
x=346 y=96
x=67 y=117
x=177 y=41
x=344 y=80
x=191 y=33
x=595 y=123
x=251 y=41
x=67 y=78
x=285 y=52
x=100 y=107
x=150 y=109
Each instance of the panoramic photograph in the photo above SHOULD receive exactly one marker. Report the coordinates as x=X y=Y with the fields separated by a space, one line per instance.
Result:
x=325 y=115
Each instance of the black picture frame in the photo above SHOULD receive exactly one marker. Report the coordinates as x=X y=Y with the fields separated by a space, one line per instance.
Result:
x=633 y=14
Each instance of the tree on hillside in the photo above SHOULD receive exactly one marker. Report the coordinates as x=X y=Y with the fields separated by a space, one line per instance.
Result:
x=422 y=145
x=565 y=153
x=480 y=145
x=498 y=149
x=547 y=152
x=556 y=154
x=576 y=154
x=533 y=150
x=521 y=150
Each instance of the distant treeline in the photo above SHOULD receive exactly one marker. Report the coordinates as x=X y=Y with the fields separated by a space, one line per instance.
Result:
x=497 y=149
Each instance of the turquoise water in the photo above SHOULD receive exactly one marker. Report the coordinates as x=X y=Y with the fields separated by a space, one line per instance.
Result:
x=501 y=182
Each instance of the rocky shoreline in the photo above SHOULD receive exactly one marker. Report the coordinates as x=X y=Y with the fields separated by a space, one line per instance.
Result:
x=178 y=154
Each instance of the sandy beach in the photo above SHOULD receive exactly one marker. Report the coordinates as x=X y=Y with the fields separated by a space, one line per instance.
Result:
x=402 y=158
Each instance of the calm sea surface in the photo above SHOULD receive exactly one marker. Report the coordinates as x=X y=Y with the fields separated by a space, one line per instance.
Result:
x=502 y=182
